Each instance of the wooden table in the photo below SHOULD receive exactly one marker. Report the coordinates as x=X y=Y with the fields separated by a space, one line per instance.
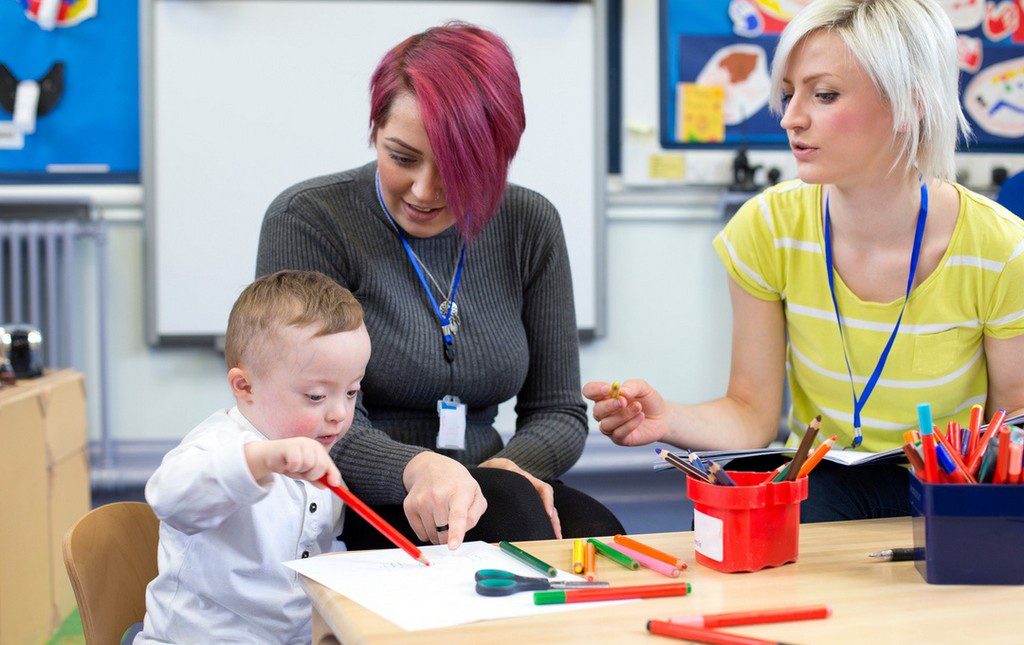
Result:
x=872 y=602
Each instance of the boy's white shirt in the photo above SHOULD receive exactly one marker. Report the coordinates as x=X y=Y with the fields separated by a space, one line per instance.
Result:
x=223 y=538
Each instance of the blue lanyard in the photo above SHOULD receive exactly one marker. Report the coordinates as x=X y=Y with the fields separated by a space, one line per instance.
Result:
x=860 y=402
x=445 y=318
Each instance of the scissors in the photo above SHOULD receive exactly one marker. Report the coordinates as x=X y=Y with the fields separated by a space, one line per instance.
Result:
x=496 y=582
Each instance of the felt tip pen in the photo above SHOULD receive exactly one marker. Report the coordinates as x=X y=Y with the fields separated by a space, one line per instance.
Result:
x=702 y=635
x=1002 y=456
x=1014 y=471
x=948 y=466
x=529 y=560
x=931 y=464
x=561 y=597
x=974 y=426
x=979 y=451
x=615 y=556
x=755 y=617
x=898 y=555
x=962 y=473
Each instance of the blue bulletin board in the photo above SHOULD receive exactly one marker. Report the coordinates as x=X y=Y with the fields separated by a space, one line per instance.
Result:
x=716 y=56
x=92 y=131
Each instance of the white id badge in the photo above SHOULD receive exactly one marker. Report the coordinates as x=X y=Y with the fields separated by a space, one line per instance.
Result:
x=452 y=415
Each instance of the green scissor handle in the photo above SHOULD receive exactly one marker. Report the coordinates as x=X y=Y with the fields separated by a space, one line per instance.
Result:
x=485 y=574
x=496 y=582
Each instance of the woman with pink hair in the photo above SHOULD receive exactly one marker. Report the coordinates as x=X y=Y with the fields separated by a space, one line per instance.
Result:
x=465 y=283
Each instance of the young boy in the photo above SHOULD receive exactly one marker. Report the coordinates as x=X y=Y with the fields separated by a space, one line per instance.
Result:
x=239 y=495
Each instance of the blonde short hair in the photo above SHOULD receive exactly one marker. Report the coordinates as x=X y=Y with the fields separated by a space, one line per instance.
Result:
x=908 y=49
x=298 y=298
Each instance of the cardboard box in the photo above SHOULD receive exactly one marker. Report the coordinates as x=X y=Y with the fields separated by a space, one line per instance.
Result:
x=26 y=588
x=44 y=489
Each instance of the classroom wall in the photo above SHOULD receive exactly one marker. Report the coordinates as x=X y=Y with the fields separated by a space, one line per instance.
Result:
x=668 y=317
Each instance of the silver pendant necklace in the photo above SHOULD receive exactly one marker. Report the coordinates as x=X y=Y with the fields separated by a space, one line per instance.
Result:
x=452 y=327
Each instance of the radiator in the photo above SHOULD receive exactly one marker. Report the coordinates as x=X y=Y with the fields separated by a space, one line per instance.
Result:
x=40 y=285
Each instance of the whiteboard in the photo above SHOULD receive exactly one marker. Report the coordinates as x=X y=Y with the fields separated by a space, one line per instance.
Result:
x=243 y=98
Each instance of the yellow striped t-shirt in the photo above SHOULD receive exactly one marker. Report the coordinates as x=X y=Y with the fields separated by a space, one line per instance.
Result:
x=773 y=248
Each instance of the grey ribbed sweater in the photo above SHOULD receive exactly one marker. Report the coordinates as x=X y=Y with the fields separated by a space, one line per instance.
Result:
x=518 y=335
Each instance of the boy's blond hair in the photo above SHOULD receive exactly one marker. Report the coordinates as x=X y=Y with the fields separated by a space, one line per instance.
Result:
x=298 y=298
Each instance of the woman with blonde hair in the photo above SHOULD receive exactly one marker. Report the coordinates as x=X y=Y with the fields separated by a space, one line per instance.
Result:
x=874 y=282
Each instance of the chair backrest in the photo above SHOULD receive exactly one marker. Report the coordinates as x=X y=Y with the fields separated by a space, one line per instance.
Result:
x=1011 y=194
x=110 y=555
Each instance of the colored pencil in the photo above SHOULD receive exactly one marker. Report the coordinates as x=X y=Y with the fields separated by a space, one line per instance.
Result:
x=701 y=635
x=755 y=617
x=611 y=593
x=376 y=521
x=684 y=466
x=721 y=477
x=649 y=550
x=698 y=462
x=915 y=459
x=790 y=472
x=614 y=394
x=528 y=559
x=647 y=561
x=577 y=556
x=816 y=458
x=615 y=556
x=590 y=562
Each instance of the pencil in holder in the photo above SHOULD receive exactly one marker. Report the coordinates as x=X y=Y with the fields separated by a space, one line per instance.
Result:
x=970 y=534
x=747 y=527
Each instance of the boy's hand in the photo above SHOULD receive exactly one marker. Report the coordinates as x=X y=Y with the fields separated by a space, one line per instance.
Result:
x=298 y=458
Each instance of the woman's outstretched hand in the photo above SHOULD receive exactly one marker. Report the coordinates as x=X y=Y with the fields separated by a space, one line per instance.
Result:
x=635 y=417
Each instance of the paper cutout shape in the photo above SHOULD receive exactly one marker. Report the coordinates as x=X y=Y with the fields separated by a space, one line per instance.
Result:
x=995 y=98
x=701 y=113
x=964 y=14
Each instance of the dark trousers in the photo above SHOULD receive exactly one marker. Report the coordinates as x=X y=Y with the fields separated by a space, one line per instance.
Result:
x=514 y=512
x=837 y=492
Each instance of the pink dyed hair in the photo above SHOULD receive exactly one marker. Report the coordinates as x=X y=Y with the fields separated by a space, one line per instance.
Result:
x=467 y=87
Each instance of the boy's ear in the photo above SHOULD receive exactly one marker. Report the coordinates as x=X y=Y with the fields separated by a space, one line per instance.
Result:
x=240 y=385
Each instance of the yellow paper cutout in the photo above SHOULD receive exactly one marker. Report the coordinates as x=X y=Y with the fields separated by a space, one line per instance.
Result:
x=700 y=113
x=663 y=166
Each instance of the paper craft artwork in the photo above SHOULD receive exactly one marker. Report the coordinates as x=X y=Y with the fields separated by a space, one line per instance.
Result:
x=58 y=13
x=742 y=69
x=701 y=109
x=995 y=98
x=416 y=597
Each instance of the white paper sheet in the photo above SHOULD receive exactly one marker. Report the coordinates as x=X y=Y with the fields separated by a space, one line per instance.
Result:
x=414 y=597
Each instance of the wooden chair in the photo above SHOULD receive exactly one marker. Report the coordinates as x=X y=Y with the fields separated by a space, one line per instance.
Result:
x=110 y=555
